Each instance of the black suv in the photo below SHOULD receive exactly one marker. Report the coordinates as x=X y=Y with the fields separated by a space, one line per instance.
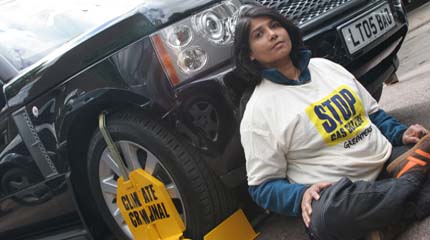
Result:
x=162 y=72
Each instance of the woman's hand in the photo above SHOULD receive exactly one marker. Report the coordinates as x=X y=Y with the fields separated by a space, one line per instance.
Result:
x=310 y=194
x=413 y=134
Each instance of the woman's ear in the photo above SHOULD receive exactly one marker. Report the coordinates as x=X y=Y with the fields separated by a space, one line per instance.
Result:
x=251 y=57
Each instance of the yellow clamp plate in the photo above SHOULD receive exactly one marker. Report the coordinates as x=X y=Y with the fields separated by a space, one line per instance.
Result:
x=234 y=227
x=147 y=208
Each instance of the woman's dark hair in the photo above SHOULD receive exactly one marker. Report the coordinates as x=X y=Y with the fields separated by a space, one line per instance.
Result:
x=251 y=70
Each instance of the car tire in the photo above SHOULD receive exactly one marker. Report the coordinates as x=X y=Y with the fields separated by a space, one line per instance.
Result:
x=199 y=196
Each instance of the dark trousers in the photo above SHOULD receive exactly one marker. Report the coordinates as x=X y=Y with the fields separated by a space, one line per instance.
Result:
x=351 y=210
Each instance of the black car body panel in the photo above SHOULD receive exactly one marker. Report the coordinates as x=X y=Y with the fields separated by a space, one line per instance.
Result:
x=93 y=47
x=51 y=108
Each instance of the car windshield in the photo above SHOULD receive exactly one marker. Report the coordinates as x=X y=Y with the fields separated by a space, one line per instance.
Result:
x=30 y=29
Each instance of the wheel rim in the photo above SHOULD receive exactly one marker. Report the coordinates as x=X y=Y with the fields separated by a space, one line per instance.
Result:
x=135 y=156
x=205 y=116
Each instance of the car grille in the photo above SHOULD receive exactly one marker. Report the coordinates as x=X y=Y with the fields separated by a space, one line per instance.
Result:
x=303 y=11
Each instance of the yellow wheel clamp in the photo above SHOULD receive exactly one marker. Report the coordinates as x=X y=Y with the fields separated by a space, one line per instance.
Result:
x=149 y=211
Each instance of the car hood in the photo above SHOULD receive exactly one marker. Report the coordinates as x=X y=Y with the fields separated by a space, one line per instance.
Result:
x=97 y=44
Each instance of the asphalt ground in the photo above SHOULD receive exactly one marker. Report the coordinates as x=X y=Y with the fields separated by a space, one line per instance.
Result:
x=408 y=100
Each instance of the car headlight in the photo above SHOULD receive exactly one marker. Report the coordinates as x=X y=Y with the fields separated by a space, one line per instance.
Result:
x=192 y=59
x=197 y=43
x=214 y=23
x=179 y=36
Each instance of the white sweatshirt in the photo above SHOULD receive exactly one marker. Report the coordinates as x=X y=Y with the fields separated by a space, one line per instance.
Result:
x=318 y=131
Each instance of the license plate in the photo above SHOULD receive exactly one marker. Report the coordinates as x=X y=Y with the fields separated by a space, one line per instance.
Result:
x=367 y=28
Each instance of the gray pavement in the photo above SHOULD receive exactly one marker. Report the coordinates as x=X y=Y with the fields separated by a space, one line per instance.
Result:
x=408 y=100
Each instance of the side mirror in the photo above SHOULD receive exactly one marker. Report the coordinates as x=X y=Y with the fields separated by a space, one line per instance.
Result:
x=7 y=70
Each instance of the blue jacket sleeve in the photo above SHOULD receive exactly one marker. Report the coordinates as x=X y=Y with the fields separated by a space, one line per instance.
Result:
x=279 y=196
x=390 y=127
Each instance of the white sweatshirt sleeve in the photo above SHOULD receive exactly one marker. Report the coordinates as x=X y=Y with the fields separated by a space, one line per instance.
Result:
x=264 y=158
x=264 y=154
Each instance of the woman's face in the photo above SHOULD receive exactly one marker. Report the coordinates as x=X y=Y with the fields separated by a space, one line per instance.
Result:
x=269 y=42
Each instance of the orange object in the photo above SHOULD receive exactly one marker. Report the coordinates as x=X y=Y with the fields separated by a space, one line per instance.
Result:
x=166 y=60
x=412 y=163
x=423 y=154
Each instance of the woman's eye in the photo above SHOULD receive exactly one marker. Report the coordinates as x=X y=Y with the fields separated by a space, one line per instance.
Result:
x=258 y=34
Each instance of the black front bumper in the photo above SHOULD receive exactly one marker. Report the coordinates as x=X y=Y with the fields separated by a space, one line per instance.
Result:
x=372 y=64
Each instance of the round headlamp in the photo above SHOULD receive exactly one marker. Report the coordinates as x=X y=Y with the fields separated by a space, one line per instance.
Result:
x=179 y=36
x=214 y=24
x=192 y=59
